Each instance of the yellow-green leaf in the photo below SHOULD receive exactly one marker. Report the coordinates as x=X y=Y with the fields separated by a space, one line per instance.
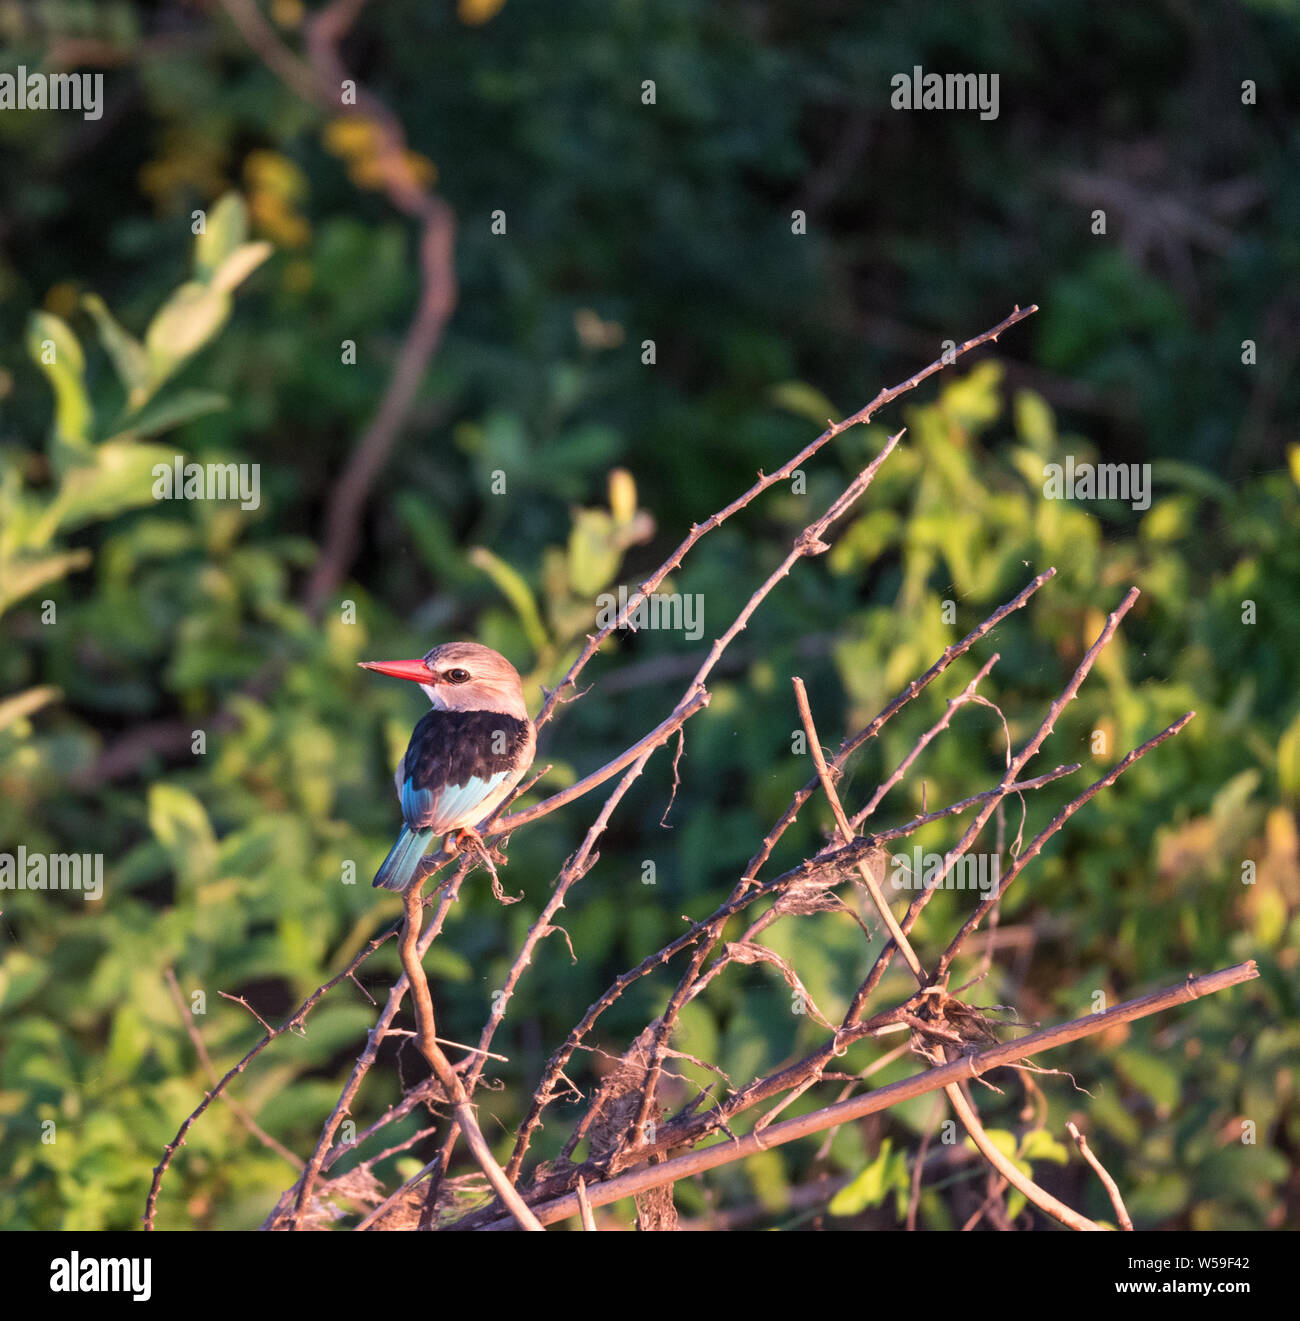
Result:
x=180 y=824
x=225 y=229
x=240 y=265
x=121 y=477
x=1288 y=760
x=21 y=705
x=868 y=1189
x=594 y=555
x=18 y=577
x=803 y=400
x=516 y=591
x=127 y=353
x=1035 y=422
x=1039 y=1144
x=184 y=324
x=54 y=348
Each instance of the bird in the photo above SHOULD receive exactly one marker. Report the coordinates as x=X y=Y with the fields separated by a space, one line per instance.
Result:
x=465 y=755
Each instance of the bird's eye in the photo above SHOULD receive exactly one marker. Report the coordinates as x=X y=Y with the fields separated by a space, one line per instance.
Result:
x=457 y=676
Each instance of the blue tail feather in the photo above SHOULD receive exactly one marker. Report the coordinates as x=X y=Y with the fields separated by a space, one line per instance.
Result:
x=398 y=870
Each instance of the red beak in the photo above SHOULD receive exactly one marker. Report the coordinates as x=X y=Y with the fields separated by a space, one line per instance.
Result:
x=414 y=670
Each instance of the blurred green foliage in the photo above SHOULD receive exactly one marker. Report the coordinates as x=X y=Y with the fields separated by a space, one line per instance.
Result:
x=246 y=866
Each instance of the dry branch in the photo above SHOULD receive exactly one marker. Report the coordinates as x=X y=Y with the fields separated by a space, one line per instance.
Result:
x=969 y=1066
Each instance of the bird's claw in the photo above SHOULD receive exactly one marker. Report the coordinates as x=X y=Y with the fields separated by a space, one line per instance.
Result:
x=467 y=838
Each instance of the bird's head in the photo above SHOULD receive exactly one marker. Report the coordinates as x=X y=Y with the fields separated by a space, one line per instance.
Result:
x=462 y=676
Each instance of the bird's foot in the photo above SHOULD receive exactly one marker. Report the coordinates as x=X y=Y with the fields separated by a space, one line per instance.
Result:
x=469 y=839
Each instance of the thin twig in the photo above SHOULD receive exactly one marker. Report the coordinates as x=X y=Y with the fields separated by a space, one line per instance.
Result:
x=584 y=1207
x=1007 y=1168
x=846 y=831
x=961 y=1106
x=765 y=480
x=1112 y=1188
x=201 y=1049
x=367 y=1058
x=452 y=1087
x=1013 y=770
x=1036 y=845
x=293 y=1022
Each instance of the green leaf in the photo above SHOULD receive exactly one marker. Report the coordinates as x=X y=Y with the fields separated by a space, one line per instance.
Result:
x=21 y=576
x=164 y=414
x=803 y=400
x=180 y=824
x=21 y=705
x=1169 y=519
x=1004 y=1141
x=184 y=324
x=1152 y=1075
x=128 y=1040
x=871 y=1186
x=224 y=230
x=1039 y=1144
x=1190 y=478
x=1035 y=422
x=1233 y=798
x=240 y=265
x=1288 y=760
x=21 y=976
x=121 y=477
x=1237 y=1170
x=973 y=400
x=57 y=352
x=594 y=554
x=129 y=358
x=517 y=592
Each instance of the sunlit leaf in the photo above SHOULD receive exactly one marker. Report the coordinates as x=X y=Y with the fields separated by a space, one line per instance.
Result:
x=516 y=591
x=128 y=354
x=240 y=265
x=594 y=555
x=184 y=324
x=180 y=824
x=871 y=1187
x=1288 y=760
x=57 y=351
x=121 y=477
x=21 y=705
x=225 y=229
x=20 y=576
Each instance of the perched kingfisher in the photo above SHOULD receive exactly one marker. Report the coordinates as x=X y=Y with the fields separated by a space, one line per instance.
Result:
x=465 y=755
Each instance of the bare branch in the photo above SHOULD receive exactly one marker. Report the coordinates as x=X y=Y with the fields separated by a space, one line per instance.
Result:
x=201 y=1049
x=1112 y=1188
x=969 y=1066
